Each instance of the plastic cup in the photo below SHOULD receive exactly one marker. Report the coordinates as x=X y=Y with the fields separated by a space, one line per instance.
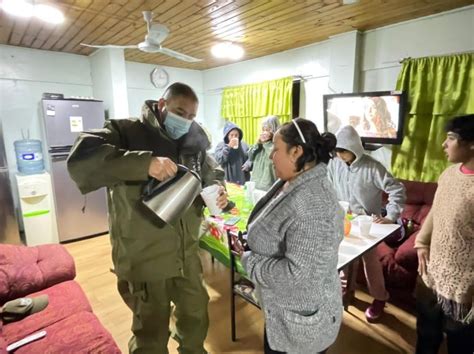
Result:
x=249 y=188
x=344 y=205
x=257 y=195
x=210 y=195
x=365 y=223
x=236 y=140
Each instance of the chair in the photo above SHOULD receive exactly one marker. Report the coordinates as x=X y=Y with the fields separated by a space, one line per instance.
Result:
x=239 y=284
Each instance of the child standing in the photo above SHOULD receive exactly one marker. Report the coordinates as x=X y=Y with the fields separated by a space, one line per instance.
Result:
x=360 y=179
x=445 y=247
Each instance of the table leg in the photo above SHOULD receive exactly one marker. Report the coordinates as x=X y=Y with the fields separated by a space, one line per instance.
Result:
x=349 y=296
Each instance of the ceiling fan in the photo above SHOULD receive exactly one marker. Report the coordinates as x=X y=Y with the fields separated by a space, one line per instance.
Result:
x=157 y=33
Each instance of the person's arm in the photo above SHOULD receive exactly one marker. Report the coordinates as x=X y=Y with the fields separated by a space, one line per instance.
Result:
x=395 y=190
x=423 y=242
x=308 y=251
x=222 y=153
x=331 y=166
x=245 y=149
x=253 y=150
x=97 y=160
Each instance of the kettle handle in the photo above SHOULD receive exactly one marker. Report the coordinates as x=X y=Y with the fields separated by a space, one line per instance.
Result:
x=151 y=187
x=185 y=169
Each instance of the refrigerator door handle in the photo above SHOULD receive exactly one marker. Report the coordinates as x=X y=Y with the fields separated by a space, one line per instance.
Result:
x=59 y=156
x=59 y=148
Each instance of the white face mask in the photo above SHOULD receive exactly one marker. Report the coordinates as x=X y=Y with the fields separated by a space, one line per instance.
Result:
x=176 y=126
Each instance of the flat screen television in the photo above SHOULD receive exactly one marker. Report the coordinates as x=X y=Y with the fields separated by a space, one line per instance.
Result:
x=377 y=116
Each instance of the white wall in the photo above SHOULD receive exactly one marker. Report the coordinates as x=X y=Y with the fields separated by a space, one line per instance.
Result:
x=24 y=75
x=380 y=51
x=442 y=34
x=311 y=62
x=140 y=88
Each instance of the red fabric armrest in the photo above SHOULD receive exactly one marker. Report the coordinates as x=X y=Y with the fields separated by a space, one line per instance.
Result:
x=24 y=270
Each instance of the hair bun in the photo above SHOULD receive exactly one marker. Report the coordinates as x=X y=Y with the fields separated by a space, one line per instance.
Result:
x=329 y=140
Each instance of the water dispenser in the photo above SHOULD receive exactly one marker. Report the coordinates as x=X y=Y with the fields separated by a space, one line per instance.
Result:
x=37 y=208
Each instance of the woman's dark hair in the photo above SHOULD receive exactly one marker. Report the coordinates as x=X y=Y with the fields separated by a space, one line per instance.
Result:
x=319 y=148
x=462 y=126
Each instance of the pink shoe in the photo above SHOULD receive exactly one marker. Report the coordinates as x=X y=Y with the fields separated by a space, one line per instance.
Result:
x=374 y=311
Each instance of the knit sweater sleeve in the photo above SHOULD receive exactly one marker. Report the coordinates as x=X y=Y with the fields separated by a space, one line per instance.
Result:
x=423 y=239
x=308 y=251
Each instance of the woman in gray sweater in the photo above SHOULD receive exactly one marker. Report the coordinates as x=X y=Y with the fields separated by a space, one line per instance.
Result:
x=294 y=234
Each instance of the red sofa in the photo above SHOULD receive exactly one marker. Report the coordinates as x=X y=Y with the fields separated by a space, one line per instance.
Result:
x=400 y=261
x=70 y=325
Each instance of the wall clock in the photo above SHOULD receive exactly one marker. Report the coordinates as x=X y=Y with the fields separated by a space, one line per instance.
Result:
x=159 y=78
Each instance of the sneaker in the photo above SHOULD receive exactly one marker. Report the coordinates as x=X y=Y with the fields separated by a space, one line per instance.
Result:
x=374 y=311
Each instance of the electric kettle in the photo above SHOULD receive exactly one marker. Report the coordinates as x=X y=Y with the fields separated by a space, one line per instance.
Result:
x=172 y=197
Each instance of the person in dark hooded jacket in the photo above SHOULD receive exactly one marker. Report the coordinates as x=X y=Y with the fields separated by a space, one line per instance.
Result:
x=232 y=153
x=156 y=263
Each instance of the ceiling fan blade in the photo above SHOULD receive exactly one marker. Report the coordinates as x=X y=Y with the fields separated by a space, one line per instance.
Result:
x=108 y=46
x=178 y=55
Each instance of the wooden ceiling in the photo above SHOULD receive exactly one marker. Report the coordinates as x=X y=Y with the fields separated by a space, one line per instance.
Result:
x=262 y=27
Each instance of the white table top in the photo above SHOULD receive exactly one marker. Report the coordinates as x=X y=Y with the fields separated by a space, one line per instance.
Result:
x=354 y=245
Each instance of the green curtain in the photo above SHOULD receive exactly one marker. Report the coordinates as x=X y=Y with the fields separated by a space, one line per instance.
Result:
x=246 y=105
x=438 y=88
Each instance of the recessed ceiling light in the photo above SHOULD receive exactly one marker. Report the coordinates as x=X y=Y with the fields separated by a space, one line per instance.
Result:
x=18 y=8
x=48 y=13
x=227 y=50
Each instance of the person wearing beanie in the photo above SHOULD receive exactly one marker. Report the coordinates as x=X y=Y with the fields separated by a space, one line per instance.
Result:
x=259 y=162
x=231 y=154
x=360 y=180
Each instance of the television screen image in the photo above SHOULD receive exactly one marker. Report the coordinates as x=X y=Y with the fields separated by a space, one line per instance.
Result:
x=377 y=116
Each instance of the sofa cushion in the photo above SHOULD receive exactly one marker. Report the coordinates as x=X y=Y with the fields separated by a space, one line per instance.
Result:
x=420 y=197
x=24 y=270
x=65 y=299
x=78 y=333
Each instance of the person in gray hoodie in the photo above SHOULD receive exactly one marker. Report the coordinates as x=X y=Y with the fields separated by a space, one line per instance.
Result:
x=231 y=154
x=360 y=179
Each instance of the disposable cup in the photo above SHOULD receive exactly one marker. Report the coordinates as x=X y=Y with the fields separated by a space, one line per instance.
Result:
x=249 y=188
x=257 y=195
x=365 y=223
x=210 y=195
x=236 y=140
x=344 y=205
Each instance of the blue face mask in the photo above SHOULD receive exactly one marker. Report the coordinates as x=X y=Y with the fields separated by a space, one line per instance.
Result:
x=176 y=126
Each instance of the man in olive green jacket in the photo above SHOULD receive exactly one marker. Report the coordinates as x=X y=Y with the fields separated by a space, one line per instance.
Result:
x=156 y=263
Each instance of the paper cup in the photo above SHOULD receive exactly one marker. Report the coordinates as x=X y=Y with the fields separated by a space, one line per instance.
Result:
x=237 y=145
x=257 y=195
x=210 y=195
x=249 y=188
x=365 y=223
x=344 y=205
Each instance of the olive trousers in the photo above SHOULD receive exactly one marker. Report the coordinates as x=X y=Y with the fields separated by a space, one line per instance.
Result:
x=150 y=303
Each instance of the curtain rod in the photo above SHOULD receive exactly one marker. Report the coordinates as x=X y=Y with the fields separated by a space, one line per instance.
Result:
x=439 y=55
x=295 y=78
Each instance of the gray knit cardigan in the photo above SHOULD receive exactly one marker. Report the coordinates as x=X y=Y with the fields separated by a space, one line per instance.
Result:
x=294 y=239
